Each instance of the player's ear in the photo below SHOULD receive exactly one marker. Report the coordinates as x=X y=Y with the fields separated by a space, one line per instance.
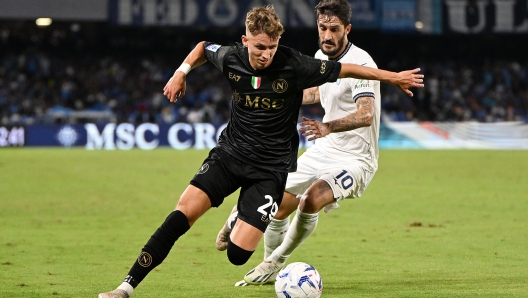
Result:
x=244 y=40
x=348 y=28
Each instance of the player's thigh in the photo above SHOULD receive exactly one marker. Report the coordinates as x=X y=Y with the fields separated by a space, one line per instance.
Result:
x=261 y=196
x=218 y=177
x=308 y=167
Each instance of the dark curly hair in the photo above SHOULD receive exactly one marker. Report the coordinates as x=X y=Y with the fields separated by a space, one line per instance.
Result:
x=338 y=8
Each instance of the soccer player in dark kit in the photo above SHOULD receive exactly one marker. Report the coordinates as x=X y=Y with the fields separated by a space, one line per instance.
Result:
x=259 y=146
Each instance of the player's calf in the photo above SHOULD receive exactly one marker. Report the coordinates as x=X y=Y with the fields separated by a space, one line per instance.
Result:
x=237 y=255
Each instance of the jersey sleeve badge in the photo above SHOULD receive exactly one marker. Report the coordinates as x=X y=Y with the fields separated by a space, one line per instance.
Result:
x=362 y=83
x=213 y=47
x=323 y=67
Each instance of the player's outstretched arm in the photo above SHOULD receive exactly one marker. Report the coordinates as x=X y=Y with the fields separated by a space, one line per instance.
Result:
x=311 y=96
x=403 y=79
x=175 y=87
x=363 y=116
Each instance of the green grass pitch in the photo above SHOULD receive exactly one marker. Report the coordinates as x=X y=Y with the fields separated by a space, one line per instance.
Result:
x=431 y=224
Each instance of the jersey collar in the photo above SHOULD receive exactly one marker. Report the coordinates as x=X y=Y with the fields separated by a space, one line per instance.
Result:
x=349 y=45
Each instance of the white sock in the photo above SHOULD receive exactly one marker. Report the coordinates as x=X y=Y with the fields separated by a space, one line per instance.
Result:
x=274 y=235
x=301 y=227
x=126 y=287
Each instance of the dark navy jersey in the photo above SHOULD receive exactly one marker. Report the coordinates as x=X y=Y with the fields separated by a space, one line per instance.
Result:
x=262 y=130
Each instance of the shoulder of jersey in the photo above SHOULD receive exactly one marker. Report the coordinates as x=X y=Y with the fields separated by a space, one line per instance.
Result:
x=357 y=55
x=287 y=51
x=213 y=47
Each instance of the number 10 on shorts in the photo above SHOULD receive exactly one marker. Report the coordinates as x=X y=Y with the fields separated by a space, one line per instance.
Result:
x=346 y=181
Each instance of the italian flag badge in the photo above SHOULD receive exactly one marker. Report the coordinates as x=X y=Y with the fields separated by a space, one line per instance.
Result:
x=255 y=82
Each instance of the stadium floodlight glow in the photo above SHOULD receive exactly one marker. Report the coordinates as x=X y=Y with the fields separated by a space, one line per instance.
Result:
x=43 y=22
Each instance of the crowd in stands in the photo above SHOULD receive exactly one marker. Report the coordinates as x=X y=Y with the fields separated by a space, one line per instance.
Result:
x=496 y=90
x=48 y=76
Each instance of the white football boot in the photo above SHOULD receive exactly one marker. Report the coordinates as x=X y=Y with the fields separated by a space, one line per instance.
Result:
x=223 y=235
x=118 y=293
x=265 y=272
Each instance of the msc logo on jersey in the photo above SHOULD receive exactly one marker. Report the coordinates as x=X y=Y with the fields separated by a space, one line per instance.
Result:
x=362 y=84
x=264 y=103
x=279 y=85
x=213 y=47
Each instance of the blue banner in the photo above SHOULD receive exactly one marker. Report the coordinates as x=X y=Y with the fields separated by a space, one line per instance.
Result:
x=229 y=13
x=148 y=136
x=181 y=136
x=433 y=16
x=122 y=136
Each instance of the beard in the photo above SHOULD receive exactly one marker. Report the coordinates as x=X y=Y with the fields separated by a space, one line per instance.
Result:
x=332 y=53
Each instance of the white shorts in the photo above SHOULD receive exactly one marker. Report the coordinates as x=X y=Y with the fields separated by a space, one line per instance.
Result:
x=346 y=178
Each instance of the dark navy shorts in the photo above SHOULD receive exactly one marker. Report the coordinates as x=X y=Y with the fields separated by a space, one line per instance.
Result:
x=261 y=190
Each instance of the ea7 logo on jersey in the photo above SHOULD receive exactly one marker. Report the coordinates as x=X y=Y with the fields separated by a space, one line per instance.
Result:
x=213 y=47
x=233 y=76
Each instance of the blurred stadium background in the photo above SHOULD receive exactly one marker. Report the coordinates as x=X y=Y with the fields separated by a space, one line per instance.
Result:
x=434 y=223
x=90 y=73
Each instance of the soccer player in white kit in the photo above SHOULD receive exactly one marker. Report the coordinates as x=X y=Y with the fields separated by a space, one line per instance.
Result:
x=343 y=160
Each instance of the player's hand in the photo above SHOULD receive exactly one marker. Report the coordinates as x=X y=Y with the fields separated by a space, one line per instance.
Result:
x=314 y=129
x=409 y=79
x=175 y=87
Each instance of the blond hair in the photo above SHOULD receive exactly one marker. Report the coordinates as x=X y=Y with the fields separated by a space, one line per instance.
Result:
x=264 y=20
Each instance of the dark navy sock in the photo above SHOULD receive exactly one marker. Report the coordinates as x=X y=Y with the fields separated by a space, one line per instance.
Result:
x=158 y=247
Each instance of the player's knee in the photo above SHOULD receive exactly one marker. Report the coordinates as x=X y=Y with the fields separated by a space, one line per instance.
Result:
x=316 y=197
x=309 y=204
x=237 y=255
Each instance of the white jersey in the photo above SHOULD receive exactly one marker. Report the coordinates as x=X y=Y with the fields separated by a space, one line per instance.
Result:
x=339 y=100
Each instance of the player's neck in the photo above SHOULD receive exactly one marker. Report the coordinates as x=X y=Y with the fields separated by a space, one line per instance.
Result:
x=341 y=51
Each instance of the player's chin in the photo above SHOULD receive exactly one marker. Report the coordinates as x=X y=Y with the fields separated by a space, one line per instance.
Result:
x=262 y=64
x=328 y=49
